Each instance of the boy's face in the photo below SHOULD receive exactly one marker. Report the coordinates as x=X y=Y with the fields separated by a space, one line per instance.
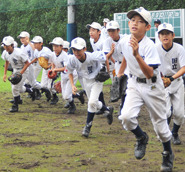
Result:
x=38 y=46
x=166 y=37
x=24 y=40
x=156 y=25
x=79 y=54
x=9 y=48
x=137 y=26
x=114 y=34
x=94 y=33
x=65 y=49
x=57 y=49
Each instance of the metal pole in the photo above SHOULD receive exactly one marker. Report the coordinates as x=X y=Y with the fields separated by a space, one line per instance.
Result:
x=71 y=26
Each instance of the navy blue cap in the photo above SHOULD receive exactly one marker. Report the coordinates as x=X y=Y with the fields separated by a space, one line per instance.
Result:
x=157 y=21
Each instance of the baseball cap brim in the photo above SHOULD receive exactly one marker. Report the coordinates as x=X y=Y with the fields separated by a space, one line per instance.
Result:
x=77 y=47
x=131 y=13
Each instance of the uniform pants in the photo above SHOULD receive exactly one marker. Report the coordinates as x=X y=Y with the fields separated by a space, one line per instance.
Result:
x=93 y=90
x=19 y=88
x=66 y=87
x=153 y=96
x=175 y=98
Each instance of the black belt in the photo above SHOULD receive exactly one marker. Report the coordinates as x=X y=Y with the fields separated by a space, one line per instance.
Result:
x=109 y=63
x=144 y=80
x=167 y=76
x=118 y=62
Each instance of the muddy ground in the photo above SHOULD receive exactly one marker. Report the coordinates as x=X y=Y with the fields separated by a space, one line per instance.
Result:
x=43 y=138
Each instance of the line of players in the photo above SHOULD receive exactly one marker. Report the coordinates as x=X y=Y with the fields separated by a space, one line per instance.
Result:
x=108 y=45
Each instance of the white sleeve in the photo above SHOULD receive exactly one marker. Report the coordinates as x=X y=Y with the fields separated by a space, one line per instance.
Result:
x=3 y=55
x=106 y=46
x=182 y=56
x=70 y=65
x=99 y=56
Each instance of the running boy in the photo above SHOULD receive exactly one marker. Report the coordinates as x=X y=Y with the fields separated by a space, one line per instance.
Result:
x=88 y=66
x=19 y=62
x=172 y=57
x=59 y=62
x=145 y=86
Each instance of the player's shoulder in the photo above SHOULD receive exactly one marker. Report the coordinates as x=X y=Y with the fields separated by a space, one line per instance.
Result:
x=177 y=46
x=124 y=38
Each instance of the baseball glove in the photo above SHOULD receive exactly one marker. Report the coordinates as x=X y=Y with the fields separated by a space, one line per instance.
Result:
x=57 y=87
x=166 y=81
x=102 y=76
x=43 y=62
x=51 y=74
x=118 y=88
x=15 y=78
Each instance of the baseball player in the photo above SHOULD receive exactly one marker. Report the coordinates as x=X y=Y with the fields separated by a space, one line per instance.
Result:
x=66 y=46
x=35 y=68
x=59 y=62
x=104 y=33
x=157 y=22
x=97 y=45
x=82 y=92
x=172 y=57
x=113 y=41
x=46 y=83
x=145 y=86
x=19 y=62
x=88 y=66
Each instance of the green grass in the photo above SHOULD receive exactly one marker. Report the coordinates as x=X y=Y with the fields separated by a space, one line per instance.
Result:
x=6 y=86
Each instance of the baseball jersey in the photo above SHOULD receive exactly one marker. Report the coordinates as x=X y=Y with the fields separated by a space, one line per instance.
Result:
x=171 y=60
x=90 y=67
x=28 y=50
x=147 y=51
x=60 y=62
x=17 y=58
x=157 y=40
x=44 y=52
x=97 y=46
x=117 y=55
x=4 y=54
x=104 y=33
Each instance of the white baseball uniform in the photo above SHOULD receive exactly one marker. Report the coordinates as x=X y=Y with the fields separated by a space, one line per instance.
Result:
x=17 y=60
x=171 y=62
x=117 y=55
x=98 y=46
x=36 y=67
x=45 y=81
x=104 y=33
x=60 y=62
x=31 y=79
x=88 y=70
x=141 y=91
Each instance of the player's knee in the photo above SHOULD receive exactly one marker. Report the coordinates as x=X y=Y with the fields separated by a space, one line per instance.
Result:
x=93 y=105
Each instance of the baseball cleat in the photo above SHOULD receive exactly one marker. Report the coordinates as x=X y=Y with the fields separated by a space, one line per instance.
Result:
x=175 y=139
x=67 y=105
x=72 y=109
x=167 y=163
x=81 y=97
x=14 y=108
x=140 y=146
x=86 y=130
x=109 y=115
x=19 y=102
x=54 y=100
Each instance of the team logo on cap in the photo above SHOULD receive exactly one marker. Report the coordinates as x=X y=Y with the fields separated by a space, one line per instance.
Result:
x=110 y=24
x=139 y=9
x=76 y=41
x=164 y=25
